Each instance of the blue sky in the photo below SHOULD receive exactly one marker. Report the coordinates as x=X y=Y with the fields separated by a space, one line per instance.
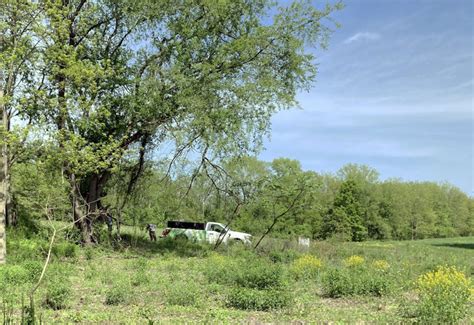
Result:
x=394 y=91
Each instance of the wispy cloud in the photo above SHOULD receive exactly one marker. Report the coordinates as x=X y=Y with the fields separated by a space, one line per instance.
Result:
x=362 y=36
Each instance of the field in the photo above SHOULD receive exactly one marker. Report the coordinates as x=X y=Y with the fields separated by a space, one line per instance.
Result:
x=173 y=281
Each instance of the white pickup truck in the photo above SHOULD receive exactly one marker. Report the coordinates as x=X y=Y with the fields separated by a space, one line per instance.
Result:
x=204 y=232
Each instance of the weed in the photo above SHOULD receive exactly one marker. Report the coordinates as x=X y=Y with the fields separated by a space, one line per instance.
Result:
x=118 y=294
x=306 y=267
x=443 y=295
x=183 y=294
x=57 y=294
x=354 y=261
x=252 y=299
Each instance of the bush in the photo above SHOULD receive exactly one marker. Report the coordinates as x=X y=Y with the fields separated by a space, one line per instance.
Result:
x=117 y=294
x=57 y=294
x=65 y=249
x=183 y=294
x=362 y=281
x=220 y=269
x=182 y=248
x=253 y=299
x=307 y=266
x=34 y=269
x=443 y=295
x=283 y=256
x=259 y=275
x=12 y=275
x=373 y=283
x=22 y=249
x=338 y=283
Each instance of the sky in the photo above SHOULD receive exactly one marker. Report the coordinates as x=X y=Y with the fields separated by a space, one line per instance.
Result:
x=394 y=91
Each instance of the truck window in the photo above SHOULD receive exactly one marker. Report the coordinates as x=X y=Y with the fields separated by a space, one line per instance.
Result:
x=217 y=228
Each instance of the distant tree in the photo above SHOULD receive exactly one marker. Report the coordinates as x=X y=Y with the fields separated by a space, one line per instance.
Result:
x=346 y=218
x=286 y=195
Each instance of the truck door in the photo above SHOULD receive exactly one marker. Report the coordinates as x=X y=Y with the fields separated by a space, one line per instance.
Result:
x=214 y=231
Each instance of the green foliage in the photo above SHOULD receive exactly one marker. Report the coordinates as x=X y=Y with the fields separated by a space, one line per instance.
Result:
x=358 y=280
x=58 y=293
x=140 y=276
x=253 y=299
x=354 y=206
x=64 y=249
x=12 y=275
x=338 y=283
x=34 y=269
x=443 y=296
x=26 y=248
x=250 y=272
x=117 y=294
x=183 y=293
x=283 y=256
x=89 y=253
x=259 y=275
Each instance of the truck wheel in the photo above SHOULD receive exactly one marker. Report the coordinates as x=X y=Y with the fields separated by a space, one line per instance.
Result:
x=237 y=241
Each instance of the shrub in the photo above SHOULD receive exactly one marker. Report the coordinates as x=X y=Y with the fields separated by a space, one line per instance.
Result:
x=14 y=275
x=117 y=294
x=57 y=294
x=65 y=249
x=283 y=256
x=34 y=269
x=182 y=294
x=220 y=269
x=259 y=275
x=443 y=295
x=27 y=249
x=372 y=283
x=337 y=283
x=307 y=266
x=361 y=281
x=253 y=299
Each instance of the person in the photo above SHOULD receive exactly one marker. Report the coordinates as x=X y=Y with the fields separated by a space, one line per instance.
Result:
x=109 y=222
x=151 y=231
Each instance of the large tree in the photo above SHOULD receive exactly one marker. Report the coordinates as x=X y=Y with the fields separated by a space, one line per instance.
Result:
x=205 y=76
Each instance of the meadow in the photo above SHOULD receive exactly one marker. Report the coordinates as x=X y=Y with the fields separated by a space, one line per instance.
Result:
x=139 y=282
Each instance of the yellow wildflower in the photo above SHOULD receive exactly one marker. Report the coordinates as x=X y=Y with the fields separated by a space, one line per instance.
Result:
x=354 y=260
x=381 y=265
x=306 y=266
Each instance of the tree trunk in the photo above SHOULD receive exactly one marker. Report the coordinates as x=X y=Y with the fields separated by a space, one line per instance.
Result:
x=86 y=201
x=7 y=181
x=79 y=217
x=3 y=188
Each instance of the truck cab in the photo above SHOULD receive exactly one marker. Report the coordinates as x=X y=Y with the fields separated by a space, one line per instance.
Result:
x=215 y=231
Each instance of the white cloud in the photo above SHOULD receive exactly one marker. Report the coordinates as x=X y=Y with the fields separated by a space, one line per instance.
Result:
x=362 y=36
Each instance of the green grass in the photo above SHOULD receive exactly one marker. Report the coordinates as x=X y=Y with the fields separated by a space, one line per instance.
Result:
x=166 y=282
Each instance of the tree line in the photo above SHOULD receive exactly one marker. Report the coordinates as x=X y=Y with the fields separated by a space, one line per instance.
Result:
x=277 y=197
